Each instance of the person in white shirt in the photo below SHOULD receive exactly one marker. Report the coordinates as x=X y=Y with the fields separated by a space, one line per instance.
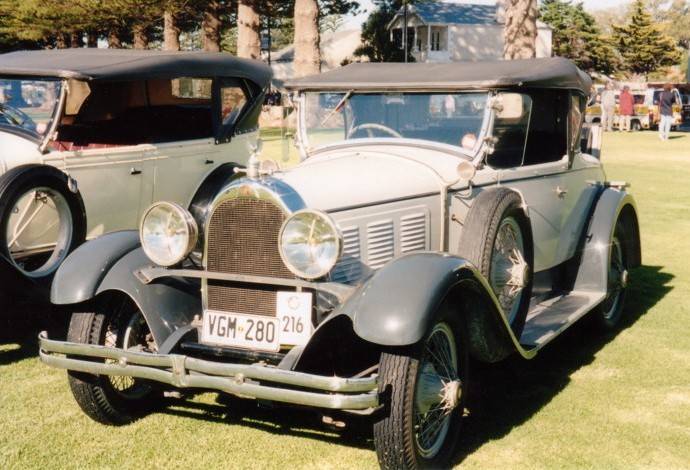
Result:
x=608 y=107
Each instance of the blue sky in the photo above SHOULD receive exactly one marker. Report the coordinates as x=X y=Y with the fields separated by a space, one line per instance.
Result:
x=589 y=4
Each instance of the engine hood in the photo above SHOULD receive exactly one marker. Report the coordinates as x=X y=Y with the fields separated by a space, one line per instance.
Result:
x=16 y=149
x=343 y=179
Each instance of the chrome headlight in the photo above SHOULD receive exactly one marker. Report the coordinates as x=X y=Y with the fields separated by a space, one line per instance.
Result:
x=168 y=233
x=310 y=244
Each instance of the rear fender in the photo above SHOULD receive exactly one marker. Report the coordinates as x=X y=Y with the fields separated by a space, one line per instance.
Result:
x=592 y=274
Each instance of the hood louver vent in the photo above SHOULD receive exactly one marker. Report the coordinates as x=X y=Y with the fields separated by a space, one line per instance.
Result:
x=381 y=243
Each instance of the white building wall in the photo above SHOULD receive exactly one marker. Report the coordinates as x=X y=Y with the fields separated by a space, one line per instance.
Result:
x=485 y=42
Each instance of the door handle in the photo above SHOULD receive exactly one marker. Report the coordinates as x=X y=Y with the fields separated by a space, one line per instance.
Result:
x=561 y=192
x=209 y=162
x=134 y=171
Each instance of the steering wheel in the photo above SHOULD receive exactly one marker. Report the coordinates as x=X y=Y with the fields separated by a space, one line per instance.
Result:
x=17 y=117
x=370 y=126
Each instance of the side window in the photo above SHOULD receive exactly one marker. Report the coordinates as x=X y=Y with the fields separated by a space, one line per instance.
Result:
x=191 y=88
x=510 y=131
x=547 y=139
x=575 y=121
x=232 y=101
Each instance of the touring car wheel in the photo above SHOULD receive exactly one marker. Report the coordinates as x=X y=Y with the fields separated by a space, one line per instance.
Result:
x=424 y=395
x=497 y=239
x=116 y=323
x=41 y=220
x=636 y=126
x=610 y=311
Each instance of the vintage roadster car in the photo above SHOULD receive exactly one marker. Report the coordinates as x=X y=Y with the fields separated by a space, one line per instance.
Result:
x=90 y=138
x=441 y=214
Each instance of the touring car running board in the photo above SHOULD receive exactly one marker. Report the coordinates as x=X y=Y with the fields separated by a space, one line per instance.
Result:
x=245 y=380
x=549 y=318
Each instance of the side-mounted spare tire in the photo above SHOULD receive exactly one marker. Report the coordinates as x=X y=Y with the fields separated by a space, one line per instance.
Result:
x=497 y=239
x=42 y=219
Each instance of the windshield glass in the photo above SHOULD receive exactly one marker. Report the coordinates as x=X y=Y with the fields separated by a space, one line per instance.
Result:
x=447 y=118
x=28 y=104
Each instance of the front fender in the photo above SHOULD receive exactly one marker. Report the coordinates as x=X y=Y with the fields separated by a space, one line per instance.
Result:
x=79 y=276
x=592 y=274
x=167 y=304
x=398 y=304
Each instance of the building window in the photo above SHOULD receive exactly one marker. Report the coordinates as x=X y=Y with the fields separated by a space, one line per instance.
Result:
x=436 y=40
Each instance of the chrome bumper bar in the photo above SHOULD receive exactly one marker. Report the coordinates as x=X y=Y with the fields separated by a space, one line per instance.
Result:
x=181 y=371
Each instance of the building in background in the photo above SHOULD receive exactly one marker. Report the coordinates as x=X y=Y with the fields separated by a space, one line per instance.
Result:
x=453 y=32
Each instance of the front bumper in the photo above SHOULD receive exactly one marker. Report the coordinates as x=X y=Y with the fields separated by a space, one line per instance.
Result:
x=244 y=380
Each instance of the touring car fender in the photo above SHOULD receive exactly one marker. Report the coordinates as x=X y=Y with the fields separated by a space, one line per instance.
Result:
x=167 y=304
x=613 y=204
x=398 y=304
x=79 y=276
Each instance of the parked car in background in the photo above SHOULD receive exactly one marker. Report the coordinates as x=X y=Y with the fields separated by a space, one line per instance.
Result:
x=90 y=138
x=441 y=212
x=639 y=121
x=652 y=102
x=686 y=107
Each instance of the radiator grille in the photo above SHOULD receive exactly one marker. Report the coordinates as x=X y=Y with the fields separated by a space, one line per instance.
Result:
x=242 y=238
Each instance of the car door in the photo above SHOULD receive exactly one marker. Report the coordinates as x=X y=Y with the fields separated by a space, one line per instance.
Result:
x=180 y=166
x=530 y=156
x=110 y=182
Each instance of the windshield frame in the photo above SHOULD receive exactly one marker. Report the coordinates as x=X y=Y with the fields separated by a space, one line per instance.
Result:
x=302 y=138
x=51 y=122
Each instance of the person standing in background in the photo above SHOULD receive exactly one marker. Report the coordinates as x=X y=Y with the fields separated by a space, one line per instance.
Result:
x=626 y=109
x=608 y=107
x=666 y=101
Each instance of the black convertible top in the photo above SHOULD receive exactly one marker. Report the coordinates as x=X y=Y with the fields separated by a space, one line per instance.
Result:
x=122 y=64
x=553 y=72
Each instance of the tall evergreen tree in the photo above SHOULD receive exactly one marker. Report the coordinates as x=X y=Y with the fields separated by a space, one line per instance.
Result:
x=577 y=36
x=643 y=45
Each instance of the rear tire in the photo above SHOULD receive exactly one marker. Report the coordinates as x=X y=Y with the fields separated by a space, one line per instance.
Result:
x=610 y=312
x=105 y=399
x=496 y=216
x=416 y=431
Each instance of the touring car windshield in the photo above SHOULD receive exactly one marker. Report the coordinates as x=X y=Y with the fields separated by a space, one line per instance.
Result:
x=447 y=118
x=28 y=104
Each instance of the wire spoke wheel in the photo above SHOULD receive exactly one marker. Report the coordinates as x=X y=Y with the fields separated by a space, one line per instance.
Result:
x=617 y=280
x=437 y=390
x=38 y=232
x=128 y=331
x=508 y=269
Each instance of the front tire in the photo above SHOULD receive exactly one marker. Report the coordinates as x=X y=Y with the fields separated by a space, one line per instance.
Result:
x=116 y=322
x=425 y=399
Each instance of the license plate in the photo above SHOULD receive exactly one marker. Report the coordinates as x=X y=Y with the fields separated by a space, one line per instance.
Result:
x=291 y=326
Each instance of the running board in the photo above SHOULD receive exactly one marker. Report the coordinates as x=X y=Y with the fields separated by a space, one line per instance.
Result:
x=551 y=317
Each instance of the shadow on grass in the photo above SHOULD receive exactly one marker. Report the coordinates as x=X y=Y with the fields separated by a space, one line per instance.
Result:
x=507 y=394
x=20 y=324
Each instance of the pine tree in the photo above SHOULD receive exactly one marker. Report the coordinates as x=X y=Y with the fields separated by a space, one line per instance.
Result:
x=643 y=45
x=577 y=37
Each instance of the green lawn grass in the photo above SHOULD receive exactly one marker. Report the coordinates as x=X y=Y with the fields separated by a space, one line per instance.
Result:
x=620 y=401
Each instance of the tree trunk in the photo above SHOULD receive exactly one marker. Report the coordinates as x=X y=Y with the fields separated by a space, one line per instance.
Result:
x=210 y=27
x=76 y=39
x=307 y=38
x=91 y=39
x=114 y=41
x=520 y=31
x=140 y=35
x=248 y=29
x=61 y=41
x=171 y=32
